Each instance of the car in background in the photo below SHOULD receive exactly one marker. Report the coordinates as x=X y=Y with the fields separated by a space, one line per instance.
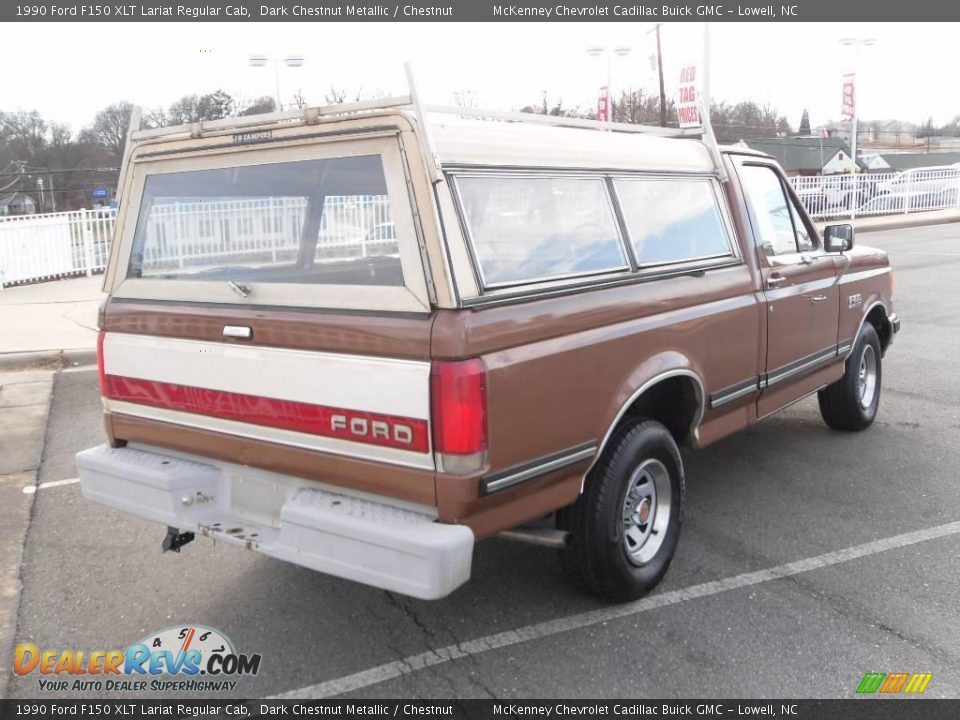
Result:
x=918 y=180
x=902 y=201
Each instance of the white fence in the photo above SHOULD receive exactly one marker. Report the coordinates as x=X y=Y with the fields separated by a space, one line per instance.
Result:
x=193 y=234
x=266 y=230
x=42 y=247
x=879 y=193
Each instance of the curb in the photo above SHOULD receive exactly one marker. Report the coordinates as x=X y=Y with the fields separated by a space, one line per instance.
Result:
x=905 y=223
x=896 y=222
x=52 y=359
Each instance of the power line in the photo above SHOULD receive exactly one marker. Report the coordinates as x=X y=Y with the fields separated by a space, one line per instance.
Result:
x=42 y=171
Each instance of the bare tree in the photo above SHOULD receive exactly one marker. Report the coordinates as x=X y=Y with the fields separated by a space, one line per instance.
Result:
x=299 y=100
x=336 y=96
x=546 y=106
x=641 y=108
x=109 y=129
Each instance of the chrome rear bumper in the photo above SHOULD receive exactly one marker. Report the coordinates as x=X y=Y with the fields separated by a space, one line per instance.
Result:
x=365 y=539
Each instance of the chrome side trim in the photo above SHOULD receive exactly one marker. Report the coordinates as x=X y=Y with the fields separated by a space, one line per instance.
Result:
x=694 y=426
x=528 y=471
x=797 y=367
x=862 y=275
x=734 y=392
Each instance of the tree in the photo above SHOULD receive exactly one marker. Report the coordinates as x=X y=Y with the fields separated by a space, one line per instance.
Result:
x=197 y=108
x=338 y=96
x=804 y=123
x=259 y=105
x=109 y=129
x=641 y=108
x=548 y=107
x=23 y=132
x=732 y=123
x=926 y=131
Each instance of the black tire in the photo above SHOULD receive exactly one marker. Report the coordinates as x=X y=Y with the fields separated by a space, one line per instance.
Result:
x=842 y=404
x=598 y=557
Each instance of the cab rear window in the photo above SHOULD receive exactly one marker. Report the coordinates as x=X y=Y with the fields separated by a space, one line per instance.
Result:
x=323 y=221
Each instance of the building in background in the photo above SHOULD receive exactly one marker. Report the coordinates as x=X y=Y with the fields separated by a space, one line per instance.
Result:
x=17 y=203
x=807 y=155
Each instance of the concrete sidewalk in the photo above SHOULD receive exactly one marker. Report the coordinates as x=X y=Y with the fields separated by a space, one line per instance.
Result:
x=48 y=321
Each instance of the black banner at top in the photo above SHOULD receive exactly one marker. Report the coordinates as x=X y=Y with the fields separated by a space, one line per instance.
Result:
x=477 y=10
x=626 y=709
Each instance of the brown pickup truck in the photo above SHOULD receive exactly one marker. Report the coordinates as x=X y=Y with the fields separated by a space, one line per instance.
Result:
x=358 y=338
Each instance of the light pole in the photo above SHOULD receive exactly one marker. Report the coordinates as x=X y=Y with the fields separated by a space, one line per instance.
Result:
x=289 y=61
x=621 y=51
x=857 y=43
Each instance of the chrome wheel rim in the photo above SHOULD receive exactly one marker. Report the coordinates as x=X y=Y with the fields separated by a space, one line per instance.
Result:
x=867 y=376
x=646 y=511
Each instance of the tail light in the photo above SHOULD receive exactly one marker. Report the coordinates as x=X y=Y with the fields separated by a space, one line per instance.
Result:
x=101 y=373
x=459 y=414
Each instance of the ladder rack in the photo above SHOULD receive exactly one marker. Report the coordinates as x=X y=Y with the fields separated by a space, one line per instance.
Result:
x=411 y=103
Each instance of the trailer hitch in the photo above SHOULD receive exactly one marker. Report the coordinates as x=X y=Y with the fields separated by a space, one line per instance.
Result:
x=176 y=539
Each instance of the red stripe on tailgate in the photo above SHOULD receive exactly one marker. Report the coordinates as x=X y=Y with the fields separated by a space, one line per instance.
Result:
x=355 y=425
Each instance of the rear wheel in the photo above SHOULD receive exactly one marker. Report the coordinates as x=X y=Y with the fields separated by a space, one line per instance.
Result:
x=625 y=526
x=851 y=402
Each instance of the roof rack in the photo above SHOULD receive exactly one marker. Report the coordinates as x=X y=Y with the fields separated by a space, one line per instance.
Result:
x=562 y=121
x=411 y=101
x=301 y=116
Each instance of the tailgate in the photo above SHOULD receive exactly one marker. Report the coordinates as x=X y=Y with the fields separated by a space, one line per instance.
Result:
x=351 y=405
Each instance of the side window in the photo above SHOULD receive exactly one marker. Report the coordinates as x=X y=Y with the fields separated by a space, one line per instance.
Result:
x=771 y=210
x=525 y=229
x=672 y=220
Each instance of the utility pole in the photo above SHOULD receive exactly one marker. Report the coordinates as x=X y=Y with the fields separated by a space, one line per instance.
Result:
x=663 y=94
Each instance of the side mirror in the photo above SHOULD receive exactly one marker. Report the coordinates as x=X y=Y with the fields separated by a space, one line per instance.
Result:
x=837 y=238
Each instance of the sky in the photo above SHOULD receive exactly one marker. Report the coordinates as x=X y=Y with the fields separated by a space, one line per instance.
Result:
x=70 y=71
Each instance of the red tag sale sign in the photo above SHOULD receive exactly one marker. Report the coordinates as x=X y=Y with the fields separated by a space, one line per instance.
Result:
x=603 y=104
x=849 y=107
x=688 y=111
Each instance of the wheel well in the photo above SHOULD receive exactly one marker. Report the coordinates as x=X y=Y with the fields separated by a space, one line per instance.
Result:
x=878 y=318
x=676 y=402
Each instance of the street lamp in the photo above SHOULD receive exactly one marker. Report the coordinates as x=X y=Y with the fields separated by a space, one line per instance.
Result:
x=856 y=43
x=289 y=61
x=621 y=51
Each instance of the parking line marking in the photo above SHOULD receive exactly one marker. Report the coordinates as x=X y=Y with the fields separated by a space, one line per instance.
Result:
x=30 y=489
x=411 y=664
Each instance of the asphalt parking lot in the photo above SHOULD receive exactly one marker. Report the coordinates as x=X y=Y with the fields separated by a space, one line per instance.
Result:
x=787 y=490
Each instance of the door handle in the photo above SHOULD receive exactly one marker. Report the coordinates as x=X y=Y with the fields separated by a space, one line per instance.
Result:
x=818 y=298
x=775 y=281
x=238 y=331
